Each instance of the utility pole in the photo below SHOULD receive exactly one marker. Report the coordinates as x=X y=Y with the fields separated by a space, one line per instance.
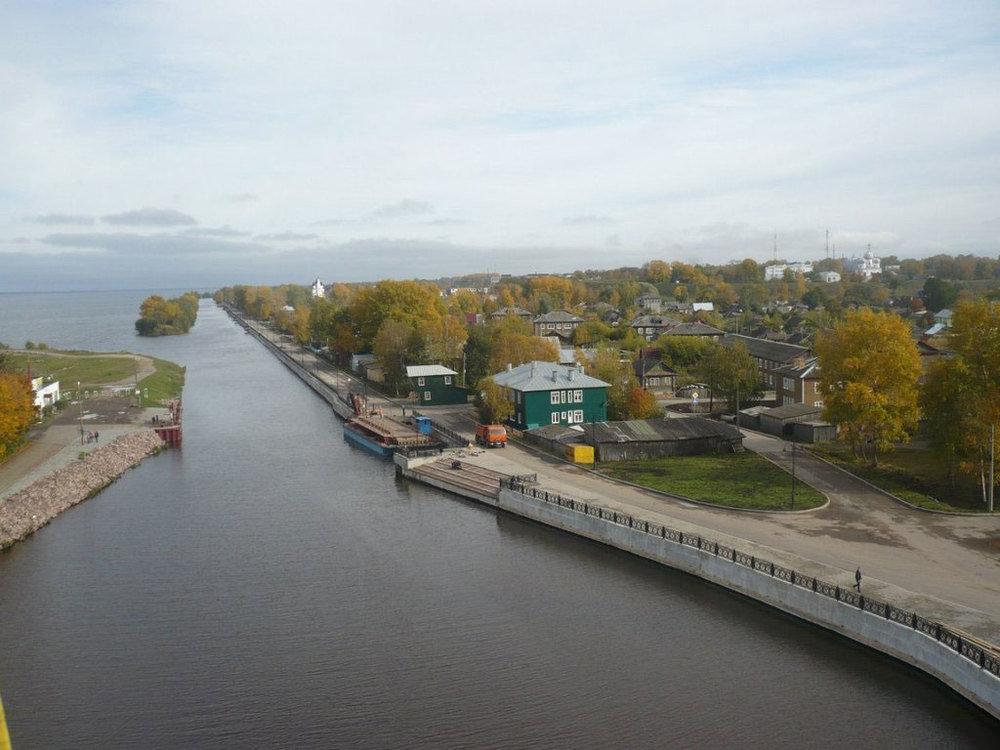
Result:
x=79 y=402
x=989 y=505
x=793 y=476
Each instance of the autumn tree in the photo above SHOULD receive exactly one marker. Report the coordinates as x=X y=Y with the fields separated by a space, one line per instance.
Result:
x=409 y=302
x=961 y=398
x=443 y=340
x=17 y=409
x=731 y=372
x=657 y=271
x=607 y=365
x=492 y=402
x=512 y=343
x=870 y=370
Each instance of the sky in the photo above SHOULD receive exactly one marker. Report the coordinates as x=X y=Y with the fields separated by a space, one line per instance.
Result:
x=202 y=143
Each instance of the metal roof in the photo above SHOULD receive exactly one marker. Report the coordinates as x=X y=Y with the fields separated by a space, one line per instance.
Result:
x=792 y=410
x=558 y=316
x=421 y=371
x=545 y=376
x=770 y=350
x=657 y=430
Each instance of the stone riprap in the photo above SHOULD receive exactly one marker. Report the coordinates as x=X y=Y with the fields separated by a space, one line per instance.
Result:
x=28 y=510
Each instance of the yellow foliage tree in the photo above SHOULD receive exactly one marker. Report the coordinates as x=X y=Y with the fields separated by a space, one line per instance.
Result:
x=17 y=409
x=870 y=369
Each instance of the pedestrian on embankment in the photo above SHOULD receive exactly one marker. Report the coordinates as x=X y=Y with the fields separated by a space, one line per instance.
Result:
x=857 y=579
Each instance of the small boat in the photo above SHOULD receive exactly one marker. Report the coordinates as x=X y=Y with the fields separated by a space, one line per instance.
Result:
x=383 y=436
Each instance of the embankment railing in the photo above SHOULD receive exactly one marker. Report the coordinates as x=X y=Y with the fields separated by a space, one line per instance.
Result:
x=985 y=657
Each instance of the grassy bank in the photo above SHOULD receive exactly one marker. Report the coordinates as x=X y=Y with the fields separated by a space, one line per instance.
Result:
x=914 y=473
x=164 y=384
x=742 y=480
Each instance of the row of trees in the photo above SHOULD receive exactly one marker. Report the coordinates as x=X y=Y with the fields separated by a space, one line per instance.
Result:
x=167 y=317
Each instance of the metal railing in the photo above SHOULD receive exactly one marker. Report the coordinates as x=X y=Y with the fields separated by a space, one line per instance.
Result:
x=986 y=657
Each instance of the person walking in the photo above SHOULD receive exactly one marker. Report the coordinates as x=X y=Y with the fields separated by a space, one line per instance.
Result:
x=857 y=579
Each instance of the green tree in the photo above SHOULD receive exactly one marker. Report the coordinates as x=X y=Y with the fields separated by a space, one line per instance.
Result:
x=938 y=294
x=395 y=345
x=870 y=370
x=608 y=366
x=492 y=402
x=731 y=373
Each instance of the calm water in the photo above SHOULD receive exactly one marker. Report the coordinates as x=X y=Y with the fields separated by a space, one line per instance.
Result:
x=269 y=586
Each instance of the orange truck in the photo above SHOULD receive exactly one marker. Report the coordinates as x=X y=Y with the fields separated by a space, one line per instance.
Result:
x=491 y=435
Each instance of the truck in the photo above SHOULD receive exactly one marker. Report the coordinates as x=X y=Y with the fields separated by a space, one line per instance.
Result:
x=491 y=435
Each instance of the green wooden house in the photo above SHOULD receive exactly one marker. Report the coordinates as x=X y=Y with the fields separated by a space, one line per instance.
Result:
x=436 y=385
x=547 y=393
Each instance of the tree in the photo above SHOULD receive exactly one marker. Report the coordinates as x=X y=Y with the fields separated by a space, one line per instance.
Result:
x=641 y=404
x=492 y=402
x=657 y=271
x=444 y=339
x=407 y=302
x=870 y=370
x=17 y=409
x=961 y=398
x=608 y=366
x=938 y=294
x=396 y=343
x=732 y=373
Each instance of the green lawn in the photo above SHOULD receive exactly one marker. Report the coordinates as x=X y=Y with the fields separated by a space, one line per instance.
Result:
x=70 y=369
x=90 y=369
x=913 y=472
x=742 y=480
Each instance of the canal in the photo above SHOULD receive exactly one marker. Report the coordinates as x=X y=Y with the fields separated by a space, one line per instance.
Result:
x=270 y=586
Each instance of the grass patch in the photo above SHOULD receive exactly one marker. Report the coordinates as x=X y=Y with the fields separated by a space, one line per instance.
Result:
x=70 y=369
x=741 y=480
x=914 y=473
x=164 y=384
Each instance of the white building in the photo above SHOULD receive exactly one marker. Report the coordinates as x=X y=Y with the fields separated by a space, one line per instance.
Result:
x=45 y=395
x=778 y=271
x=317 y=289
x=867 y=266
x=829 y=277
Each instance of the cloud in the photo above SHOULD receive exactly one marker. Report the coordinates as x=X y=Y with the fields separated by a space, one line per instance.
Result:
x=226 y=231
x=150 y=217
x=286 y=236
x=403 y=209
x=587 y=221
x=161 y=244
x=63 y=219
x=446 y=223
x=244 y=198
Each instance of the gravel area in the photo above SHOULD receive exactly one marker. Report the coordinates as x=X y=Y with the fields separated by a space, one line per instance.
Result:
x=28 y=510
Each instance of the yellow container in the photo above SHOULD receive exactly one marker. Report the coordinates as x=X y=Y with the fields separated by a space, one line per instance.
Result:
x=580 y=454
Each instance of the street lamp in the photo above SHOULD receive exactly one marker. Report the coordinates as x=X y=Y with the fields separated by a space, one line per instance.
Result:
x=79 y=403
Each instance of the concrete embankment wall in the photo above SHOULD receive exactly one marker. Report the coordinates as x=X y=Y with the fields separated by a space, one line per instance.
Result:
x=26 y=511
x=925 y=645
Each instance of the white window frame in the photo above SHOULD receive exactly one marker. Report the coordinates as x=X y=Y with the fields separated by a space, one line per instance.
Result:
x=578 y=397
x=562 y=397
x=427 y=395
x=562 y=417
x=554 y=397
x=578 y=416
x=420 y=381
x=447 y=379
x=555 y=417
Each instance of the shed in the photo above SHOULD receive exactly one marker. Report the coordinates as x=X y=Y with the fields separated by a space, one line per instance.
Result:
x=638 y=439
x=814 y=431
x=779 y=420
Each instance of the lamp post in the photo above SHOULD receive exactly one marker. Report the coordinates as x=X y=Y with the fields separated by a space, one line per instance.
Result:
x=79 y=403
x=793 y=476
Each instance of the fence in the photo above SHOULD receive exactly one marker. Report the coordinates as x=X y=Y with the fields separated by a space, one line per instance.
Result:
x=985 y=658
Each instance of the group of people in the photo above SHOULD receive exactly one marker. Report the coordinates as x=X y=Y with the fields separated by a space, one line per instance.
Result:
x=93 y=436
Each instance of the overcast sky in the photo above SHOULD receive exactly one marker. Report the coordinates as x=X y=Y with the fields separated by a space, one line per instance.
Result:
x=208 y=142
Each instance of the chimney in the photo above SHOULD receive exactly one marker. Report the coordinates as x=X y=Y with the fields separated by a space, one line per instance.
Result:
x=572 y=371
x=509 y=367
x=555 y=374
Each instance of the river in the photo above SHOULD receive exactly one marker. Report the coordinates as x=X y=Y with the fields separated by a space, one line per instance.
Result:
x=270 y=586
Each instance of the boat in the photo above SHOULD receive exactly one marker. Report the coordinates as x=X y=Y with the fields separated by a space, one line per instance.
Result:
x=383 y=436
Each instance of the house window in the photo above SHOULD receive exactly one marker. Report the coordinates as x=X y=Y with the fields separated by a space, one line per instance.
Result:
x=562 y=416
x=818 y=403
x=555 y=417
x=578 y=397
x=427 y=395
x=562 y=397
x=789 y=384
x=447 y=379
x=420 y=381
x=554 y=397
x=578 y=415
x=569 y=416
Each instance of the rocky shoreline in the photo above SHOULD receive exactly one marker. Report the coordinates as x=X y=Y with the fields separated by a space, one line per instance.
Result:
x=26 y=511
